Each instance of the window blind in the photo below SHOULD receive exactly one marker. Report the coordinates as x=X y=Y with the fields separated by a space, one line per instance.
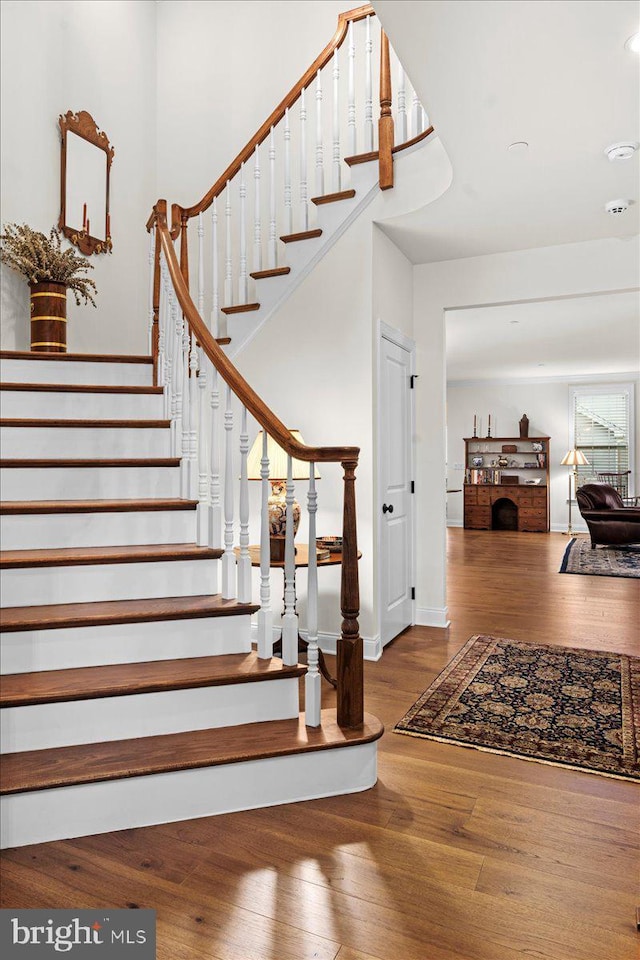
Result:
x=602 y=430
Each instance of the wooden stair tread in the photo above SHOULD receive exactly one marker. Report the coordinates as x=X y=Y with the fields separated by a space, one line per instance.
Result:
x=126 y=679
x=91 y=424
x=12 y=507
x=87 y=357
x=84 y=556
x=223 y=341
x=361 y=158
x=78 y=387
x=333 y=197
x=56 y=616
x=274 y=272
x=14 y=462
x=119 y=759
x=240 y=308
x=305 y=235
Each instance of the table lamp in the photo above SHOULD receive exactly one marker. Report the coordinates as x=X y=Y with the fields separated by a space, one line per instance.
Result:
x=278 y=478
x=573 y=458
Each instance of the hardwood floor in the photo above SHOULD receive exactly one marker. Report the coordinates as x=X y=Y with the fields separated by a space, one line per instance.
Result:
x=454 y=855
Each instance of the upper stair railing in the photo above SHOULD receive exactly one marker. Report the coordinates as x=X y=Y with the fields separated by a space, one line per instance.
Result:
x=325 y=121
x=204 y=393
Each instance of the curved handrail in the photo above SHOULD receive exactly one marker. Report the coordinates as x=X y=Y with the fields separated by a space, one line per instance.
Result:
x=344 y=19
x=229 y=373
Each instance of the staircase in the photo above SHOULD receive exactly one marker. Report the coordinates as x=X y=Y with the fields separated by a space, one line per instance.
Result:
x=131 y=693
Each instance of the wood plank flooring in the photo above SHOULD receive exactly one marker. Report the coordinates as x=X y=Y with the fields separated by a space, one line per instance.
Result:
x=454 y=855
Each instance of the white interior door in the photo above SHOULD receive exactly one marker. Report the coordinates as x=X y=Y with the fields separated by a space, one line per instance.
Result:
x=395 y=498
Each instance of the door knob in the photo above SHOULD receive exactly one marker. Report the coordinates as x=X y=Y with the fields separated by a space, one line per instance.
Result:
x=387 y=509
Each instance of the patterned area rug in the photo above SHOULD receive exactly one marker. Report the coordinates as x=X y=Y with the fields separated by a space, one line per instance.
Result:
x=601 y=562
x=558 y=705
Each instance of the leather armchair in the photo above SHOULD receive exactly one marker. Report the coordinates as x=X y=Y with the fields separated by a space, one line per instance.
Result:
x=606 y=516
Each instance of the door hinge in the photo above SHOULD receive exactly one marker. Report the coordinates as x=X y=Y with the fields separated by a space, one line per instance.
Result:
x=413 y=593
x=412 y=380
x=413 y=486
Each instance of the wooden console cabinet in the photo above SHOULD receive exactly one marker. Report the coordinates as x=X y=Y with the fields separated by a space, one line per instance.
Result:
x=498 y=496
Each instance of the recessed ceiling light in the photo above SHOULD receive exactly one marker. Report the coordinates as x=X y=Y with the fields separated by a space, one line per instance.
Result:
x=519 y=146
x=541 y=364
x=633 y=43
x=621 y=151
x=514 y=321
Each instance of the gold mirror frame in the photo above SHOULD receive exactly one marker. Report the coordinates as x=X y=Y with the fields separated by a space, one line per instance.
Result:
x=84 y=126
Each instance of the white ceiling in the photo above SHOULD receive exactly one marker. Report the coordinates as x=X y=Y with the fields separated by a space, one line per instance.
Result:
x=572 y=337
x=490 y=72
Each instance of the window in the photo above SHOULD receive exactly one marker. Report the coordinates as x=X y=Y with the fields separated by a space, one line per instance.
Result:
x=601 y=421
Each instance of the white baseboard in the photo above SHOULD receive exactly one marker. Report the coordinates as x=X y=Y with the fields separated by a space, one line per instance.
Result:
x=455 y=523
x=432 y=617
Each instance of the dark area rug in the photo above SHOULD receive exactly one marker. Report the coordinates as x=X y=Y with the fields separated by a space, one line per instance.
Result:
x=558 y=705
x=601 y=562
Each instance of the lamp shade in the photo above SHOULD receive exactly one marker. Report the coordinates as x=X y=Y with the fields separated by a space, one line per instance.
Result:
x=277 y=460
x=574 y=458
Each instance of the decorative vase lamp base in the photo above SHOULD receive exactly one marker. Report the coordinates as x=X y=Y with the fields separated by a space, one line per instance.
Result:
x=48 y=317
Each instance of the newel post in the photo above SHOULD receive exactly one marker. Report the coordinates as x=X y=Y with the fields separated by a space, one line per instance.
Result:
x=184 y=247
x=349 y=648
x=385 y=123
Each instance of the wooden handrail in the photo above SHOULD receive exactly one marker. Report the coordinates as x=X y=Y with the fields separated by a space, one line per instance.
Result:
x=254 y=404
x=344 y=19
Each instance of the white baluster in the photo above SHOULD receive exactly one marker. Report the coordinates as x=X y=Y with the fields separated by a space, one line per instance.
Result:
x=244 y=562
x=312 y=693
x=193 y=419
x=152 y=248
x=243 y=288
x=416 y=115
x=273 y=244
x=228 y=557
x=288 y=208
x=228 y=258
x=215 y=529
x=176 y=399
x=351 y=93
x=200 y=266
x=425 y=119
x=215 y=306
x=163 y=318
x=204 y=503
x=290 y=617
x=304 y=207
x=401 y=121
x=337 y=165
x=319 y=136
x=185 y=464
x=368 y=96
x=257 y=225
x=265 y=613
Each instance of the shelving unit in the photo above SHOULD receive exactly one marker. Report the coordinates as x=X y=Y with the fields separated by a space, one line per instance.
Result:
x=506 y=489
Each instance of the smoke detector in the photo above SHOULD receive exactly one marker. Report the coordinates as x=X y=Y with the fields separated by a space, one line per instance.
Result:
x=615 y=207
x=621 y=151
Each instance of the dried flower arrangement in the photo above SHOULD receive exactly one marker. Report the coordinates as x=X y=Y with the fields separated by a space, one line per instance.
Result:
x=41 y=259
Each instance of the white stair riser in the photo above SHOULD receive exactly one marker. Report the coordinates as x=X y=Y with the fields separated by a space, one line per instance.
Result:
x=89 y=483
x=76 y=811
x=51 y=531
x=50 y=725
x=92 y=406
x=43 y=442
x=34 y=586
x=77 y=371
x=59 y=649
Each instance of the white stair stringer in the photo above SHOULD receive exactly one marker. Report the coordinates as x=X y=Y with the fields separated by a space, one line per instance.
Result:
x=73 y=811
x=50 y=531
x=49 y=725
x=29 y=651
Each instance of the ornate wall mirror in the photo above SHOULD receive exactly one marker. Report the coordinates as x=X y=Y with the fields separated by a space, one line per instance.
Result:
x=84 y=183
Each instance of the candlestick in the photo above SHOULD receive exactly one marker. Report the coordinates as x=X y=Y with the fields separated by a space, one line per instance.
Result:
x=88 y=228
x=108 y=225
x=475 y=421
x=489 y=426
x=84 y=216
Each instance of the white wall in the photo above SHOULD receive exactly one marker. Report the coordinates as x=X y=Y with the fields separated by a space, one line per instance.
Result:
x=543 y=273
x=99 y=56
x=222 y=69
x=546 y=403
